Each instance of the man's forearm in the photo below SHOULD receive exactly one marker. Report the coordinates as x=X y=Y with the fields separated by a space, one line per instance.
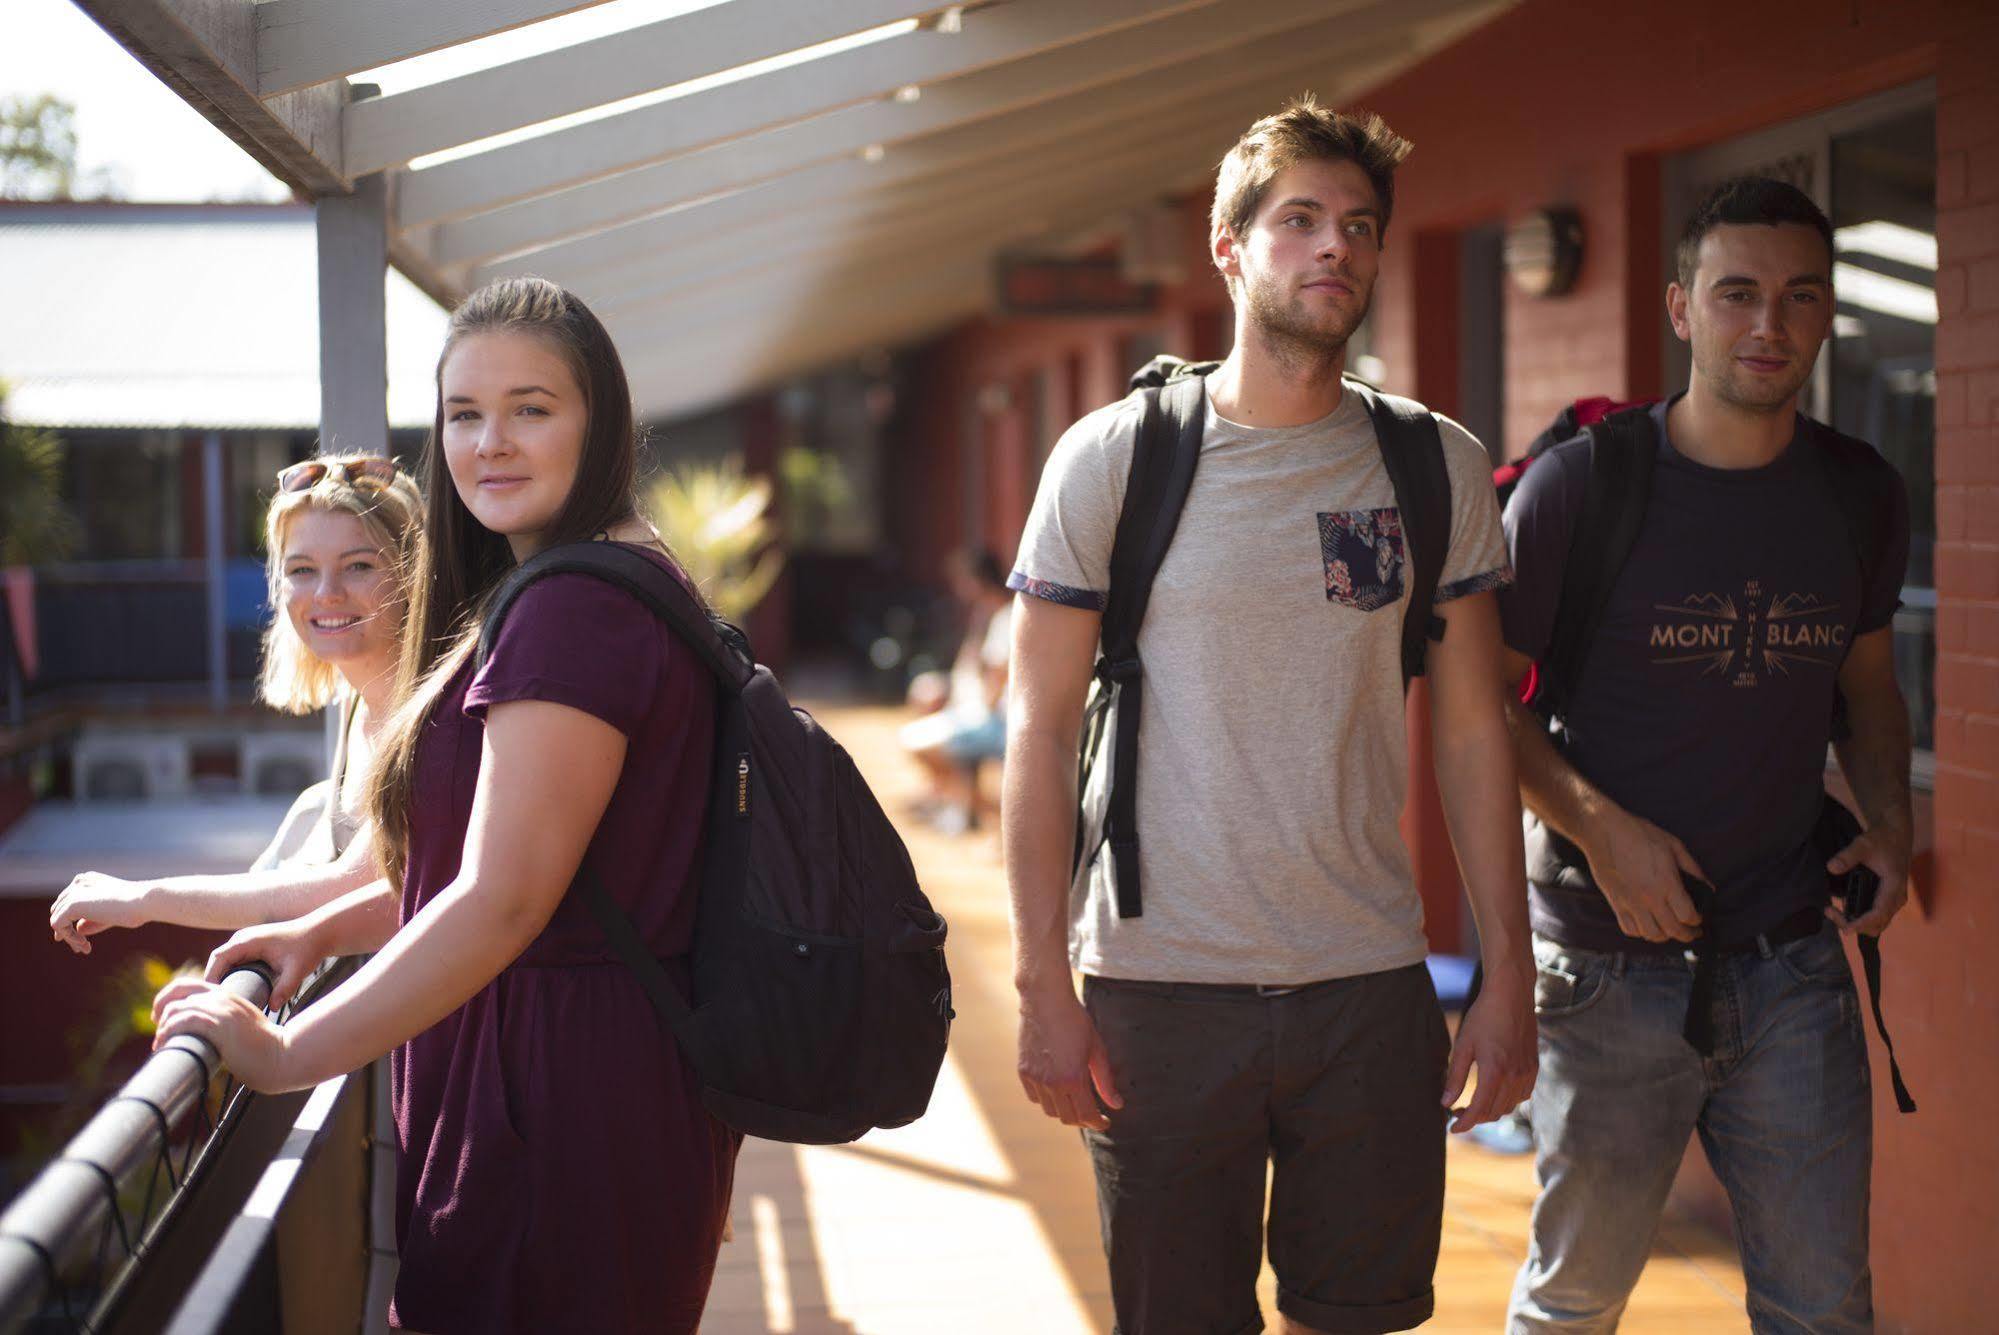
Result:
x=1550 y=787
x=1038 y=823
x=1874 y=756
x=1475 y=779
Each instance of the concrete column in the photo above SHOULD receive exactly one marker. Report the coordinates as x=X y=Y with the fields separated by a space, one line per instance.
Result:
x=353 y=332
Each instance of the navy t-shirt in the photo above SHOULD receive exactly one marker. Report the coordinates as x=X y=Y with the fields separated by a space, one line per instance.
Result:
x=1706 y=703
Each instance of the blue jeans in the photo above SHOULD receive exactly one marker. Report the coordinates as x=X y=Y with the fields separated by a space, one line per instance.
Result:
x=1782 y=1107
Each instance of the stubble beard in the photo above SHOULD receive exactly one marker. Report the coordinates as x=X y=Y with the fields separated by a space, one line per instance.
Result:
x=1741 y=390
x=1296 y=338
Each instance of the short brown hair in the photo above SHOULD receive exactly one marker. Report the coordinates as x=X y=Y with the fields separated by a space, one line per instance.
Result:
x=1304 y=131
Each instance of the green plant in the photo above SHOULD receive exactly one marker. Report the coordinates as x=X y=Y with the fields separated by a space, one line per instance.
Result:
x=816 y=491
x=35 y=525
x=718 y=524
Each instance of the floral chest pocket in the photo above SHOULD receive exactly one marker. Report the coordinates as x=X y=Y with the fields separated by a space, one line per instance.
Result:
x=1363 y=555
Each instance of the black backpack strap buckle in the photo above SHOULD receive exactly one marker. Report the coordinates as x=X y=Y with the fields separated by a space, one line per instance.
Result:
x=1118 y=671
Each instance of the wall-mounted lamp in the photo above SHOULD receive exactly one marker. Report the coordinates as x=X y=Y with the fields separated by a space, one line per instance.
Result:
x=1544 y=252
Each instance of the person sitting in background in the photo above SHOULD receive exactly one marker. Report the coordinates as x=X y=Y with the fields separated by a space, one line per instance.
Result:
x=965 y=722
x=340 y=533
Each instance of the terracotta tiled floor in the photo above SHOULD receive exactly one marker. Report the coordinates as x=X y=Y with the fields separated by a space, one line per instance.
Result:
x=982 y=1217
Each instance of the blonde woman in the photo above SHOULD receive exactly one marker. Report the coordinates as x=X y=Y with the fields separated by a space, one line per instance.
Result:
x=341 y=531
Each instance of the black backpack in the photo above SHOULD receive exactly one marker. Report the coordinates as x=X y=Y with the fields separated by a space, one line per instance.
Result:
x=821 y=1003
x=1167 y=449
x=1623 y=448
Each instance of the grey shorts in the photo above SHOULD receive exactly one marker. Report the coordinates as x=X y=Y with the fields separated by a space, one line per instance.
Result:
x=1338 y=1084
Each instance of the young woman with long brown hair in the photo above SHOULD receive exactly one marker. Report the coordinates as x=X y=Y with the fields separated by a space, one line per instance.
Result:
x=557 y=1168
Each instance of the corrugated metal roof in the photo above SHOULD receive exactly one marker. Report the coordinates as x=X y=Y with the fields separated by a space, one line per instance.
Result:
x=186 y=317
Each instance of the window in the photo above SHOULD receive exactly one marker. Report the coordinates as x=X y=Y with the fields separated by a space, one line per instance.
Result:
x=126 y=489
x=1884 y=382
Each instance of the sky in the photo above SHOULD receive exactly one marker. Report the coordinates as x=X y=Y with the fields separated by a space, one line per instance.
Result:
x=129 y=125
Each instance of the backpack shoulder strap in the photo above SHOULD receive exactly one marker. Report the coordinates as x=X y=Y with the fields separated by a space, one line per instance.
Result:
x=1163 y=457
x=1413 y=450
x=1623 y=451
x=721 y=649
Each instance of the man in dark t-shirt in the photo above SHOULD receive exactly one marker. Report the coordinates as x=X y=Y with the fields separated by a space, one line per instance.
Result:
x=1692 y=748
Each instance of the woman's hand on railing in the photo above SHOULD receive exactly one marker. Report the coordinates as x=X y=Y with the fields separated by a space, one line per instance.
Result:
x=249 y=1043
x=93 y=902
x=291 y=950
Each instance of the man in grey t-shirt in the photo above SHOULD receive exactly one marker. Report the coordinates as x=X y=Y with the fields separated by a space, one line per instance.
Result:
x=1270 y=1004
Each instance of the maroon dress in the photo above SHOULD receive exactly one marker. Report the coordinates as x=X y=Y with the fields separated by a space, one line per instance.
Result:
x=558 y=1171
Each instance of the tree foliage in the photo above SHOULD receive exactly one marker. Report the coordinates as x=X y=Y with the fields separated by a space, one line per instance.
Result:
x=34 y=523
x=37 y=147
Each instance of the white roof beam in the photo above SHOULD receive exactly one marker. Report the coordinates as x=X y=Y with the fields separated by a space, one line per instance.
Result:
x=654 y=133
x=670 y=372
x=980 y=225
x=673 y=380
x=833 y=195
x=949 y=210
x=304 y=42
x=392 y=130
x=1162 y=64
x=707 y=358
x=693 y=382
x=976 y=229
x=206 y=51
x=709 y=314
x=874 y=307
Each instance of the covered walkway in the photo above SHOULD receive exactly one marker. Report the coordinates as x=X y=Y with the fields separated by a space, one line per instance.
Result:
x=743 y=190
x=982 y=1218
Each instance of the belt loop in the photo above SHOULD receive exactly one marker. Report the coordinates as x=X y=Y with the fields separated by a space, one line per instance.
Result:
x=1763 y=945
x=1617 y=963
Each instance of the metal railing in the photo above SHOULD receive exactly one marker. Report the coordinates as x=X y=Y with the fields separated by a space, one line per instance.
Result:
x=139 y=1210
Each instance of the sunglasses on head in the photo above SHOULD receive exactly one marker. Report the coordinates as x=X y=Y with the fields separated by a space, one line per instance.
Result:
x=303 y=476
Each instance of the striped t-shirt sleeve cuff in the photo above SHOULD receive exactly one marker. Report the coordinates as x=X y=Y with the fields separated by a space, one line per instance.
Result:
x=1500 y=577
x=1049 y=591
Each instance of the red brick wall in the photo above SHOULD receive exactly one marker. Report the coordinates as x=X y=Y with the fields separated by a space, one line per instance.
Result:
x=1936 y=1211
x=1085 y=360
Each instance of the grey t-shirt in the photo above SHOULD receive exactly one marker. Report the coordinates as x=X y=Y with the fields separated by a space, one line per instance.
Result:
x=1271 y=754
